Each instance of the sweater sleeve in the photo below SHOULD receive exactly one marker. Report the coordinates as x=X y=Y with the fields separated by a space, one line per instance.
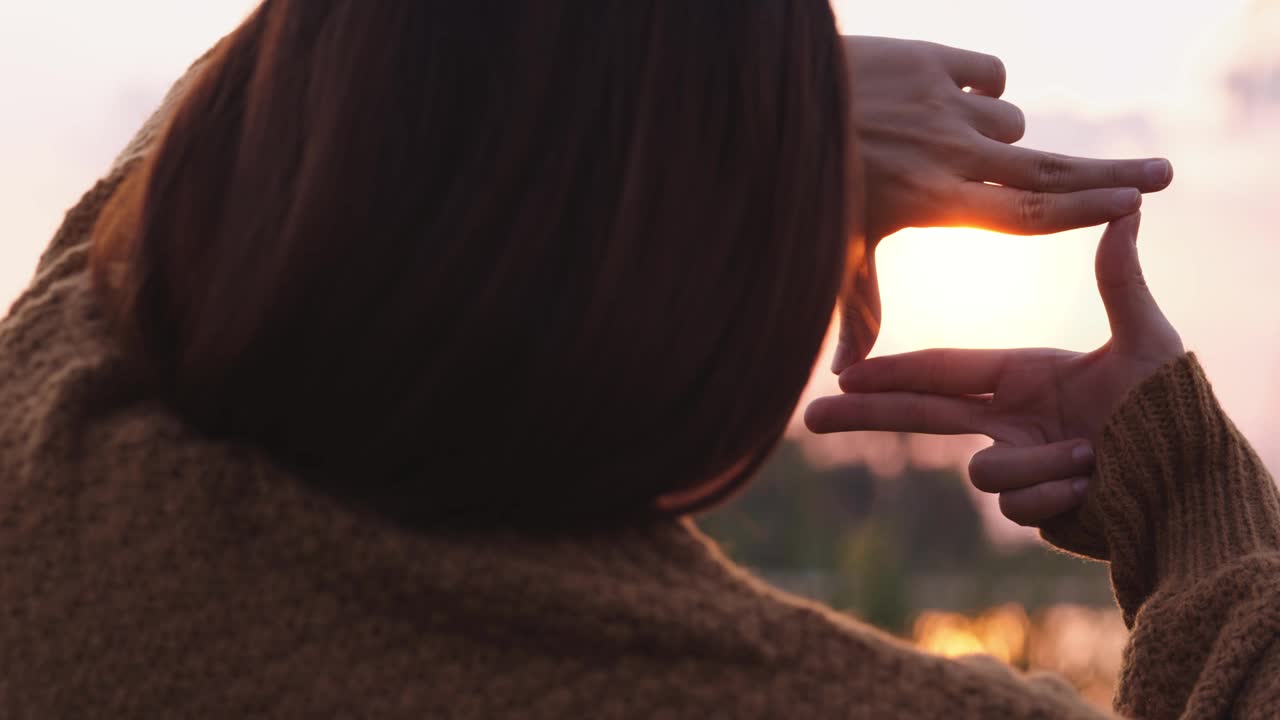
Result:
x=1189 y=519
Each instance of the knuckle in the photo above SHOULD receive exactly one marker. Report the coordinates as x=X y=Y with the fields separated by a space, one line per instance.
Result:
x=935 y=106
x=1033 y=209
x=1113 y=176
x=1052 y=174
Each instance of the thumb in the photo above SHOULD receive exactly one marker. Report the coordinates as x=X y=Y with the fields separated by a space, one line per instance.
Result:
x=859 y=311
x=1131 y=309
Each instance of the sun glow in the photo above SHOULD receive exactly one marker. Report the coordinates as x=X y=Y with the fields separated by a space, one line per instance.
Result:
x=1082 y=644
x=960 y=287
x=1001 y=632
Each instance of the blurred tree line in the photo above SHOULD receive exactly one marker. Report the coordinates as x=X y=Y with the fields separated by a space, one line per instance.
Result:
x=885 y=549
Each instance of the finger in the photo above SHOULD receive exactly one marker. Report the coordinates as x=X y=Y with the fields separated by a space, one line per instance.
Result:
x=1033 y=505
x=999 y=120
x=984 y=73
x=898 y=412
x=1002 y=468
x=859 y=309
x=1131 y=309
x=1023 y=212
x=938 y=372
x=1028 y=169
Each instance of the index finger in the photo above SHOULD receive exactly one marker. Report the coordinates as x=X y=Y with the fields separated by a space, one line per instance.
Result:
x=938 y=372
x=1040 y=171
x=899 y=412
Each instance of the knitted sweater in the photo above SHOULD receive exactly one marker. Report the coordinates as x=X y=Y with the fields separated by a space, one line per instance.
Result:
x=146 y=571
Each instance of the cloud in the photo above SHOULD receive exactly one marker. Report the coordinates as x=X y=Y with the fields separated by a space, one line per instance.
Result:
x=1255 y=86
x=1092 y=135
x=1253 y=91
x=1251 y=78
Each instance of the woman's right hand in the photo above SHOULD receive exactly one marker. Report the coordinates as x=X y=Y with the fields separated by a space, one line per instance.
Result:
x=1043 y=408
x=934 y=155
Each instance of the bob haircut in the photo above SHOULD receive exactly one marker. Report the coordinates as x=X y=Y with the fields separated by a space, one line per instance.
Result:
x=490 y=262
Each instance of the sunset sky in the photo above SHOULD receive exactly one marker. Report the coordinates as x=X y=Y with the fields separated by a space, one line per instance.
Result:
x=1196 y=82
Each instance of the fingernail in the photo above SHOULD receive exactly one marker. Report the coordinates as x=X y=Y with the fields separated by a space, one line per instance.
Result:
x=1082 y=453
x=1159 y=173
x=843 y=357
x=1126 y=201
x=1080 y=486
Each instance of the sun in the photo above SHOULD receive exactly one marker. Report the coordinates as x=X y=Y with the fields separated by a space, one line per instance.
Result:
x=960 y=287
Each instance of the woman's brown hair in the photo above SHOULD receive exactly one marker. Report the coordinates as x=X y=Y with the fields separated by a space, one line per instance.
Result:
x=490 y=261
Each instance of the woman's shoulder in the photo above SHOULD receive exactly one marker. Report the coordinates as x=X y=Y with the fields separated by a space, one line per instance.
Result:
x=78 y=225
x=57 y=360
x=55 y=321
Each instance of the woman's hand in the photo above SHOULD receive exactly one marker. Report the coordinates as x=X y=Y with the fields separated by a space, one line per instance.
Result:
x=929 y=149
x=1042 y=407
x=931 y=152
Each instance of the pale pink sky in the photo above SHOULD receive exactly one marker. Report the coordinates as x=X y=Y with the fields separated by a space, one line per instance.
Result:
x=1198 y=82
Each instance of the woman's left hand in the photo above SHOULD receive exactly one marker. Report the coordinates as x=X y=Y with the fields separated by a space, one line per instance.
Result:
x=1042 y=407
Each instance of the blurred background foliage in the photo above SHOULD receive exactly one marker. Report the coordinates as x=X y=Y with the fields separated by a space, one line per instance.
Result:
x=910 y=555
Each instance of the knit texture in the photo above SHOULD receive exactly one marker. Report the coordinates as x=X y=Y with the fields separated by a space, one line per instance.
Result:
x=146 y=571
x=1189 y=519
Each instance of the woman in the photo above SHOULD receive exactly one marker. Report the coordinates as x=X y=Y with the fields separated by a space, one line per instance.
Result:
x=380 y=375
